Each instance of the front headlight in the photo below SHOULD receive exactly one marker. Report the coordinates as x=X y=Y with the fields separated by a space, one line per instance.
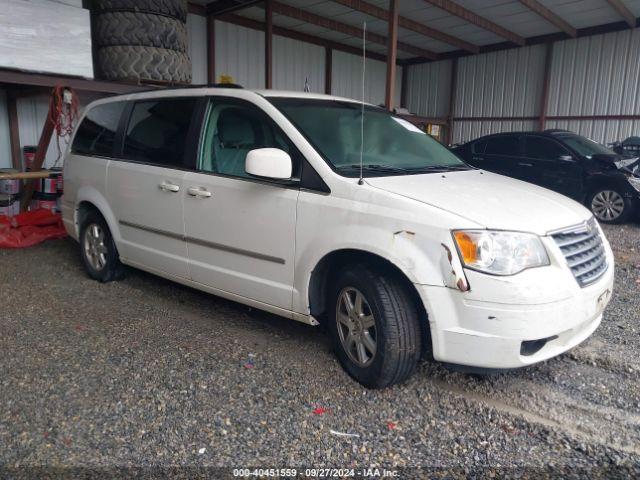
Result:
x=635 y=182
x=500 y=253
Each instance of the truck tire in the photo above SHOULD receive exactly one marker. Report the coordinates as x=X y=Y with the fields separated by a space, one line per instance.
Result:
x=144 y=63
x=170 y=8
x=141 y=29
x=374 y=323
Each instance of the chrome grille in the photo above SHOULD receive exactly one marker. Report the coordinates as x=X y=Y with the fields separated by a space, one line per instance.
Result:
x=583 y=249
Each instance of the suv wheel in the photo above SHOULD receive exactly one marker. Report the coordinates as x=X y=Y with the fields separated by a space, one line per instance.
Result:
x=609 y=205
x=97 y=249
x=375 y=327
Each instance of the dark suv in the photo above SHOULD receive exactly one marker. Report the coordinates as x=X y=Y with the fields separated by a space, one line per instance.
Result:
x=568 y=163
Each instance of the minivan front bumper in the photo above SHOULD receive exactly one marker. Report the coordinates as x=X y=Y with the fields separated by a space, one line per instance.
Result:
x=512 y=322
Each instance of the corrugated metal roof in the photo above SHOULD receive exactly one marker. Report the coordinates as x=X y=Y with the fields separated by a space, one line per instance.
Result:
x=509 y=14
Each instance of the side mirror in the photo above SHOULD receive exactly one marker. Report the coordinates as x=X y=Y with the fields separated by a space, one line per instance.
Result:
x=268 y=163
x=566 y=158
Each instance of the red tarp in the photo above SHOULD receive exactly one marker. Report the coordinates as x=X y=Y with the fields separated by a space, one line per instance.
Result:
x=30 y=228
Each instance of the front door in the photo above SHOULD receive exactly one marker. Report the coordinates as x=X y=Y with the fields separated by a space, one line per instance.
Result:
x=550 y=165
x=502 y=154
x=240 y=230
x=145 y=185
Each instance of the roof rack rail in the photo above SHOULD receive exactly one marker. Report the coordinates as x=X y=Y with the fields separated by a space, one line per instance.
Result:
x=159 y=88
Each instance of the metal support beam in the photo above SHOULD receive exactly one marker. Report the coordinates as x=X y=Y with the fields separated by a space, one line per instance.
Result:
x=211 y=49
x=392 y=53
x=452 y=100
x=407 y=23
x=549 y=16
x=471 y=17
x=544 y=98
x=346 y=29
x=624 y=12
x=328 y=69
x=14 y=132
x=268 y=44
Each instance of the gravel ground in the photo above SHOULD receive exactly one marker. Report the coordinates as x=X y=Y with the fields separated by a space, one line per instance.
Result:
x=147 y=373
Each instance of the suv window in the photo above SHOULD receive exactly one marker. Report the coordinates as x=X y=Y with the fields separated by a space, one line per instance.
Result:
x=157 y=131
x=503 y=145
x=233 y=129
x=543 y=148
x=97 y=132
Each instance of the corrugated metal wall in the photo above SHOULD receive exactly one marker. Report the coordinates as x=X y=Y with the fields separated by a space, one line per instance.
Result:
x=197 y=31
x=346 y=79
x=506 y=83
x=469 y=130
x=294 y=62
x=240 y=54
x=5 y=145
x=597 y=75
x=429 y=88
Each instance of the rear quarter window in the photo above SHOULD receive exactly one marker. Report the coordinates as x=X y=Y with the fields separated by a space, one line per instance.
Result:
x=97 y=132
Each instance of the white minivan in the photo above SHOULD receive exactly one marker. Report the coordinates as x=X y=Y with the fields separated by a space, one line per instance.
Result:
x=322 y=210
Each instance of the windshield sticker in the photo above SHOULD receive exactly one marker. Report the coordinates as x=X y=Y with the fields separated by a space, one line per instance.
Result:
x=408 y=125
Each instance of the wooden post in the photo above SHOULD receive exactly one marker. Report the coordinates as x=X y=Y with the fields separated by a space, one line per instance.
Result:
x=211 y=49
x=392 y=50
x=14 y=132
x=328 y=69
x=268 y=44
x=544 y=98
x=38 y=161
x=452 y=100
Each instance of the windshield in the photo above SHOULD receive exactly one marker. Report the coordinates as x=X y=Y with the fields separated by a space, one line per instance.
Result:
x=585 y=146
x=392 y=145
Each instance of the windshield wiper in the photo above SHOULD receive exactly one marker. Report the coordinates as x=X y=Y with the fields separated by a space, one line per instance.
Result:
x=439 y=168
x=373 y=168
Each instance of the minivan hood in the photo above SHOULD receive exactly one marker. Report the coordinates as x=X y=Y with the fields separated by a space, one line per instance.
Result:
x=488 y=199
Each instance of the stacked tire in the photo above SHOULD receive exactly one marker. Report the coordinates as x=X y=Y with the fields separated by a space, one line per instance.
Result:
x=142 y=40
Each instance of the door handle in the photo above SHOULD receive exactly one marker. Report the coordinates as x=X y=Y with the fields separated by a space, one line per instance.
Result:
x=169 y=187
x=525 y=164
x=199 y=192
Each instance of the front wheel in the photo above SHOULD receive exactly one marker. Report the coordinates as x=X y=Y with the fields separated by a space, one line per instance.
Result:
x=609 y=205
x=375 y=326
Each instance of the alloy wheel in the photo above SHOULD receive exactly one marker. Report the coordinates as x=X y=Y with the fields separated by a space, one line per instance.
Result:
x=356 y=326
x=607 y=205
x=94 y=248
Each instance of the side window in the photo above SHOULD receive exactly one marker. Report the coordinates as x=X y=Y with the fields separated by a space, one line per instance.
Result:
x=543 y=148
x=97 y=132
x=479 y=147
x=234 y=129
x=157 y=131
x=502 y=145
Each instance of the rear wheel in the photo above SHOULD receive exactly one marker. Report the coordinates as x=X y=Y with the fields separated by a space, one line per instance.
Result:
x=375 y=327
x=609 y=205
x=97 y=249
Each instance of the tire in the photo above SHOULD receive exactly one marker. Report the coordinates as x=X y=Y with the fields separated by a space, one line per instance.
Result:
x=389 y=306
x=171 y=8
x=609 y=205
x=141 y=29
x=144 y=63
x=98 y=250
